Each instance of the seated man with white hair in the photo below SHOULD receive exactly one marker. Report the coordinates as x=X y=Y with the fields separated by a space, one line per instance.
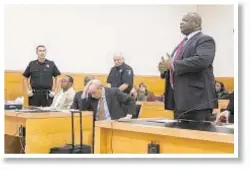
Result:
x=107 y=103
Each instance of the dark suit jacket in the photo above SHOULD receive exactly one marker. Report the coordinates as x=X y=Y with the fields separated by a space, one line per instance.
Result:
x=168 y=96
x=77 y=100
x=193 y=76
x=119 y=103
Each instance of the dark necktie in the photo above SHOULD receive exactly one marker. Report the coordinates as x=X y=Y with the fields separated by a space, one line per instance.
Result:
x=175 y=57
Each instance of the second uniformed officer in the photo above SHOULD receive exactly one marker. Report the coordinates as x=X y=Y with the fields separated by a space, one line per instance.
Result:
x=41 y=72
x=121 y=75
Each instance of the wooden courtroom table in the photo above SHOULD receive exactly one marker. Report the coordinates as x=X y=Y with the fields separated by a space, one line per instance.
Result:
x=133 y=138
x=156 y=109
x=44 y=130
x=153 y=110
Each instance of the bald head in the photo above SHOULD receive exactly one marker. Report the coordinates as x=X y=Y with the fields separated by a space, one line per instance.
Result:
x=118 y=59
x=95 y=83
x=95 y=88
x=190 y=22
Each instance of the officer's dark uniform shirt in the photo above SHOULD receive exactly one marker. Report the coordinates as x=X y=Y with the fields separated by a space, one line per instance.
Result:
x=120 y=75
x=41 y=74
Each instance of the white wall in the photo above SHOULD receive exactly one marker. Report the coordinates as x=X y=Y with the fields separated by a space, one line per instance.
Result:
x=82 y=38
x=218 y=21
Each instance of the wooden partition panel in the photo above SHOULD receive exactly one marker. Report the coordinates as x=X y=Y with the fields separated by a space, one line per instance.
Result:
x=14 y=83
x=228 y=82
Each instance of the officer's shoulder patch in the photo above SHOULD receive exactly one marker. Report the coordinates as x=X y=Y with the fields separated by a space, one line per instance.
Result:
x=129 y=72
x=50 y=62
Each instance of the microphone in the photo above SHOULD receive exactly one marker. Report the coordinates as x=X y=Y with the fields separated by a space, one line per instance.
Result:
x=196 y=107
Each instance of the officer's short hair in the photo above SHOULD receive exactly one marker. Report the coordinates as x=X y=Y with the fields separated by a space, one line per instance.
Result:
x=71 y=80
x=87 y=79
x=40 y=46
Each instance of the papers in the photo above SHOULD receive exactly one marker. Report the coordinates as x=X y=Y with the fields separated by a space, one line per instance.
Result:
x=228 y=126
x=162 y=121
x=38 y=109
x=44 y=108
x=124 y=120
x=17 y=101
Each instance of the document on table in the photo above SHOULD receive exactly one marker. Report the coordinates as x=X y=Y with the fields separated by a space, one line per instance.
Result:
x=162 y=120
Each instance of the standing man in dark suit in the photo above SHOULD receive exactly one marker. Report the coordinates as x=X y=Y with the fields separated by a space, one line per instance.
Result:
x=189 y=73
x=107 y=103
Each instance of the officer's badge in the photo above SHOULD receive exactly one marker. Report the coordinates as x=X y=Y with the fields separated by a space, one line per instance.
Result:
x=47 y=65
x=129 y=72
x=120 y=70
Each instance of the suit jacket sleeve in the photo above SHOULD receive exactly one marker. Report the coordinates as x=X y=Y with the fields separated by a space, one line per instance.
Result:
x=163 y=75
x=126 y=100
x=75 y=102
x=203 y=57
x=85 y=104
x=230 y=106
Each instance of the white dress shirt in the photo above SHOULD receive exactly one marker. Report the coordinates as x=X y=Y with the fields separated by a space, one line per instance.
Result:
x=189 y=36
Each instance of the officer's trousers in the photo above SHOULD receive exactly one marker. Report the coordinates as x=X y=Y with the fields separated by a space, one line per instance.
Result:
x=40 y=98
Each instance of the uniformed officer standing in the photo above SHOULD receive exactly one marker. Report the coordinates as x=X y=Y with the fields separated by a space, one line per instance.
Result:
x=41 y=72
x=121 y=75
